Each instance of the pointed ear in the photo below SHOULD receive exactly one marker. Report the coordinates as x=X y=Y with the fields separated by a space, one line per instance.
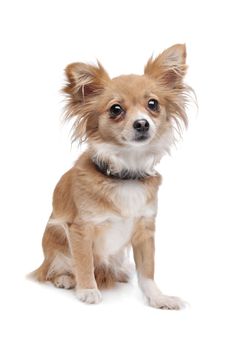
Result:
x=85 y=80
x=169 y=67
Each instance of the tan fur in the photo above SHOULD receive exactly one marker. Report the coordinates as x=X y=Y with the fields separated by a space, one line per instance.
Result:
x=88 y=205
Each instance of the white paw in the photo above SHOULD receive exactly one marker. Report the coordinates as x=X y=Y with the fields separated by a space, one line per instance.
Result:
x=162 y=301
x=64 y=281
x=156 y=298
x=89 y=296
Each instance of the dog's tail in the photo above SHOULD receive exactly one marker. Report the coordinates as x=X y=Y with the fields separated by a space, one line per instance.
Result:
x=40 y=274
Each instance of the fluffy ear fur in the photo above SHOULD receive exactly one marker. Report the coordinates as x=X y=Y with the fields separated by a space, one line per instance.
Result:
x=84 y=80
x=84 y=83
x=169 y=67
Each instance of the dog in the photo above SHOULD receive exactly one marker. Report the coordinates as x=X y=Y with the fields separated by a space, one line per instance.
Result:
x=107 y=202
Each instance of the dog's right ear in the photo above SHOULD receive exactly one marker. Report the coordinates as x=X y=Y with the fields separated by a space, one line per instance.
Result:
x=85 y=83
x=84 y=80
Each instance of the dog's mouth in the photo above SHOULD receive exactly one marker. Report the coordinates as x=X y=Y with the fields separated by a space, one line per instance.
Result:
x=139 y=138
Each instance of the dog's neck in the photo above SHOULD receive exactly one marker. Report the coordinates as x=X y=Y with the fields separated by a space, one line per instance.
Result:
x=125 y=163
x=123 y=174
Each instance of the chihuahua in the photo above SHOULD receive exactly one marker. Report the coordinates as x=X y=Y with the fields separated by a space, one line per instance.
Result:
x=107 y=202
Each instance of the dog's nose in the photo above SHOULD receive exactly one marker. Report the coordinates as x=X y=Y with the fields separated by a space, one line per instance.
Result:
x=141 y=125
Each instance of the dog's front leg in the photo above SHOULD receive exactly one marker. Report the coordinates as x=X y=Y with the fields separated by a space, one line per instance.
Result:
x=143 y=248
x=80 y=241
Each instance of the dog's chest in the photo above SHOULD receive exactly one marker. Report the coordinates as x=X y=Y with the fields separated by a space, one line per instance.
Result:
x=116 y=231
x=115 y=235
x=131 y=198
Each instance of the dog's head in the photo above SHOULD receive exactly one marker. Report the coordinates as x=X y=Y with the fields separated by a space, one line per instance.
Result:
x=130 y=110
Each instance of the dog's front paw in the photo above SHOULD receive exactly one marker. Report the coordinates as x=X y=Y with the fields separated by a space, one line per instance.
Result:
x=157 y=299
x=162 y=301
x=89 y=296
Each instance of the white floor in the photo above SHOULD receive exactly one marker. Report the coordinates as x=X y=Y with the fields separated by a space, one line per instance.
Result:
x=41 y=317
x=194 y=237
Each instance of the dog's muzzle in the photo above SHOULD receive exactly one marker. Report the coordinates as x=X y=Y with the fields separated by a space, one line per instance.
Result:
x=141 y=127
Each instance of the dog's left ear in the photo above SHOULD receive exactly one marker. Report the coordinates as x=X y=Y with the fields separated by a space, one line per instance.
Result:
x=169 y=67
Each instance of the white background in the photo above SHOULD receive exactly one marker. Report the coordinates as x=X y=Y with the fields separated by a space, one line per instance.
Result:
x=194 y=231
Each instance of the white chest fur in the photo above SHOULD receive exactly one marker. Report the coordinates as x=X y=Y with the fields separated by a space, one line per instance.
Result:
x=130 y=198
x=114 y=237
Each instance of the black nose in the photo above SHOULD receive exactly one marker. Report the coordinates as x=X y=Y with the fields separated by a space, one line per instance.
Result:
x=141 y=125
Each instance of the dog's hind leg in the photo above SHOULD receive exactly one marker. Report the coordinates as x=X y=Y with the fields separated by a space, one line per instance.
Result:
x=60 y=272
x=57 y=266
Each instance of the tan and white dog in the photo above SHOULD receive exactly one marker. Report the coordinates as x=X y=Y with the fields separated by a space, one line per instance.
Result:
x=107 y=201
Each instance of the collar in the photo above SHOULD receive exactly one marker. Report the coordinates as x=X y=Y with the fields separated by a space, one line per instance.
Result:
x=124 y=174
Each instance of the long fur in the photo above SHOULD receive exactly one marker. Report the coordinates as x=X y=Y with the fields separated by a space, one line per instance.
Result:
x=95 y=217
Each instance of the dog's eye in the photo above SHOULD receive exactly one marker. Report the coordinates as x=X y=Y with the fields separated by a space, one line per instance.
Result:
x=115 y=110
x=153 y=105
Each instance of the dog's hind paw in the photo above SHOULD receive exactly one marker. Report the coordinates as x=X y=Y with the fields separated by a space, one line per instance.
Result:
x=64 y=281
